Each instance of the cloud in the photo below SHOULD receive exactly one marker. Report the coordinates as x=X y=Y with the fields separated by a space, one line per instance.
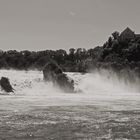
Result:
x=72 y=13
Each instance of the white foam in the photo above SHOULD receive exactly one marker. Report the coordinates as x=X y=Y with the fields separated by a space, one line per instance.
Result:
x=31 y=90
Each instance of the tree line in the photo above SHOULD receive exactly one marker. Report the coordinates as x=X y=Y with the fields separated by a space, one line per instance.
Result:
x=74 y=60
x=116 y=53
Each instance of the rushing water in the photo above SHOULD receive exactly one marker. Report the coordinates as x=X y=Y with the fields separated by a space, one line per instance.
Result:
x=91 y=88
x=104 y=107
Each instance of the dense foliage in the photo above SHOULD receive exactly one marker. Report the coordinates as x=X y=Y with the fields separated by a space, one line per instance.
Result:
x=72 y=61
x=120 y=53
x=117 y=53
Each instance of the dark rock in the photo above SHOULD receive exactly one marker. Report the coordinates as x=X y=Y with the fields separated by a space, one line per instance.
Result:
x=65 y=83
x=5 y=84
x=53 y=72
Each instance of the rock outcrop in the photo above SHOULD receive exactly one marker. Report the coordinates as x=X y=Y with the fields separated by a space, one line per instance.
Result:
x=5 y=84
x=53 y=72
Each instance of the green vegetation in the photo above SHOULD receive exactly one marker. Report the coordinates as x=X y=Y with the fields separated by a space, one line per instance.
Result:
x=119 y=52
x=24 y=60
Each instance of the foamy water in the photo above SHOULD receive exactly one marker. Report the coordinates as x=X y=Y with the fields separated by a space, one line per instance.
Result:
x=92 y=88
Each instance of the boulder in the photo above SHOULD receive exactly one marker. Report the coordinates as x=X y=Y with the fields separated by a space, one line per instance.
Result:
x=5 y=84
x=65 y=83
x=53 y=72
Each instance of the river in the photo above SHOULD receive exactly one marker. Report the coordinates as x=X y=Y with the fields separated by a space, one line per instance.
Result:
x=103 y=108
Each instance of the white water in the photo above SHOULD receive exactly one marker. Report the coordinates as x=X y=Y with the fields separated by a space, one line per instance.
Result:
x=92 y=89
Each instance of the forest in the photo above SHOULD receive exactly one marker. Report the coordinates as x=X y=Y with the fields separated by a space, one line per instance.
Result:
x=120 y=51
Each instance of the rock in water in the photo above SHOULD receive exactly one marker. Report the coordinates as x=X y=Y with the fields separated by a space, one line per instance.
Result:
x=53 y=72
x=5 y=84
x=65 y=83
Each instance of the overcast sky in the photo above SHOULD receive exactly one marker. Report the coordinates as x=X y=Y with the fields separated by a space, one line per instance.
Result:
x=54 y=24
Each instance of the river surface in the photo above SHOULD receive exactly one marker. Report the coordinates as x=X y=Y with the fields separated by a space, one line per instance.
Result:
x=103 y=108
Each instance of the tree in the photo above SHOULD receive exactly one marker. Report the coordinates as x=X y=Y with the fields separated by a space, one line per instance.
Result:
x=72 y=54
x=115 y=34
x=71 y=51
x=110 y=42
x=60 y=56
x=78 y=54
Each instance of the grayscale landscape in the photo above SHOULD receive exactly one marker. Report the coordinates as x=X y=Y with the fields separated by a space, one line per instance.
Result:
x=38 y=111
x=69 y=70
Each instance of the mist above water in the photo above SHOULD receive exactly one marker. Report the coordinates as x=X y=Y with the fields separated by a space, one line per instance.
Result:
x=108 y=82
x=30 y=83
x=97 y=88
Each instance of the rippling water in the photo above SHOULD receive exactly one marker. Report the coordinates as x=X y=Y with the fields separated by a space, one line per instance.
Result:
x=92 y=88
x=104 y=107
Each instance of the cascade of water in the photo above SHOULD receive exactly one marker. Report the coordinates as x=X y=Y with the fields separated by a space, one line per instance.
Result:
x=31 y=83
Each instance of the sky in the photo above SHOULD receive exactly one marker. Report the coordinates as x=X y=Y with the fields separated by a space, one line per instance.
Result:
x=63 y=24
